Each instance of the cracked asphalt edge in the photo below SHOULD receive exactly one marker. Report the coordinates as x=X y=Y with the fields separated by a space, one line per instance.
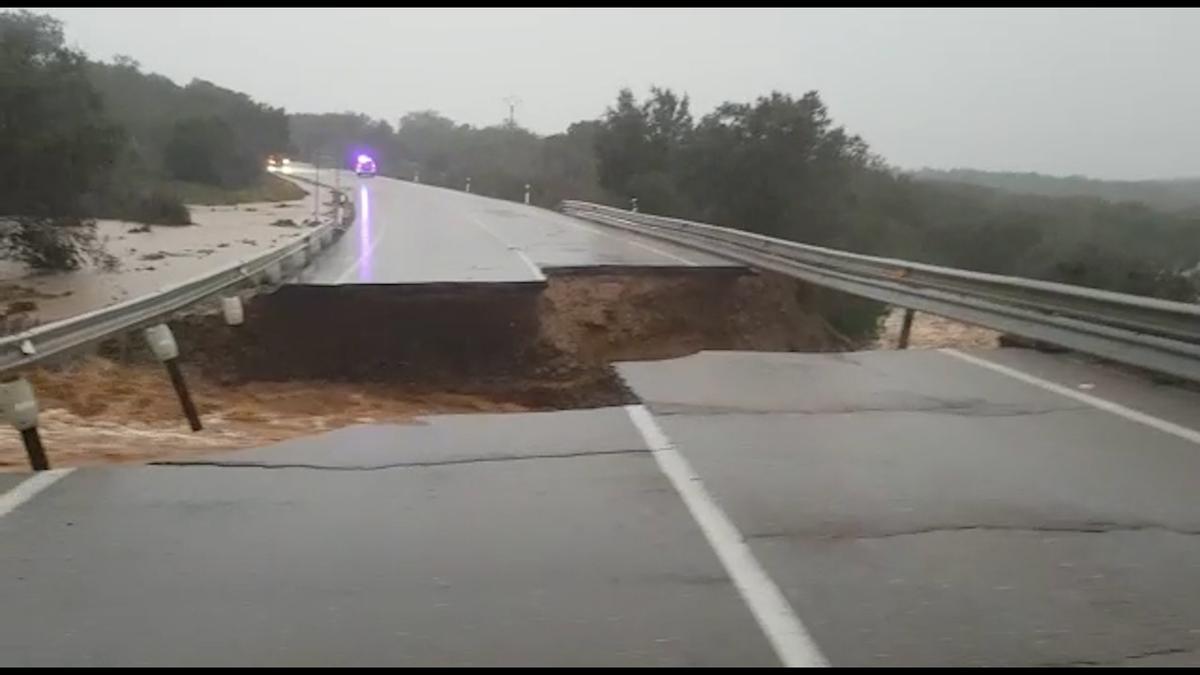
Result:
x=1081 y=528
x=234 y=464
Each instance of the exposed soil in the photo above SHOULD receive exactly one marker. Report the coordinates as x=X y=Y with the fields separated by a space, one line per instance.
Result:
x=310 y=359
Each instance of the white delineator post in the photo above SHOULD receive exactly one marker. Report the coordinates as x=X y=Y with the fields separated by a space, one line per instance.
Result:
x=468 y=185
x=527 y=193
x=19 y=406
x=231 y=307
x=162 y=343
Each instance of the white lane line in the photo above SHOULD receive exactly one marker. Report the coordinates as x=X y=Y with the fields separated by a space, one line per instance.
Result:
x=792 y=643
x=537 y=271
x=629 y=240
x=358 y=263
x=1094 y=401
x=28 y=489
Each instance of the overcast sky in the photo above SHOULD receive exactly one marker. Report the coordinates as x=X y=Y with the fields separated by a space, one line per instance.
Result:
x=1107 y=93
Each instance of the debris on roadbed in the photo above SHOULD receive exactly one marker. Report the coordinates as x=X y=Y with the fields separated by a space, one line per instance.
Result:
x=934 y=332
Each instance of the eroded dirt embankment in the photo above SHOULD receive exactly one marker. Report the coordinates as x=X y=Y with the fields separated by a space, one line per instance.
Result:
x=309 y=359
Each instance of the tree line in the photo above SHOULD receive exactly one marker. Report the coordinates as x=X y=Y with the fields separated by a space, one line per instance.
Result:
x=781 y=166
x=81 y=139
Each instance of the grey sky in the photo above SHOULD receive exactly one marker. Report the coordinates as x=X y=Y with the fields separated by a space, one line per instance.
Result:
x=1108 y=93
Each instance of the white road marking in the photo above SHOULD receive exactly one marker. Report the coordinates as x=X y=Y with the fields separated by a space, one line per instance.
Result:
x=792 y=643
x=1094 y=401
x=365 y=256
x=629 y=240
x=28 y=489
x=537 y=271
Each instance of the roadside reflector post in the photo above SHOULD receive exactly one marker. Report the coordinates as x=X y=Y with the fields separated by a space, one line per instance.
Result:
x=468 y=185
x=231 y=307
x=19 y=407
x=634 y=207
x=527 y=193
x=162 y=343
x=417 y=177
x=905 y=329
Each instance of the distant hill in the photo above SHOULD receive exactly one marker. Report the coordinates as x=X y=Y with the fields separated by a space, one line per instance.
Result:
x=1164 y=195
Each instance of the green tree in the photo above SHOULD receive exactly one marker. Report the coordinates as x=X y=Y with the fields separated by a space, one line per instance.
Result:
x=55 y=142
x=205 y=150
x=639 y=148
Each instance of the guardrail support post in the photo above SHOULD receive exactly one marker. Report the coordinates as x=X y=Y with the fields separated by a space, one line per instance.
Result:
x=19 y=406
x=905 y=329
x=33 y=447
x=162 y=343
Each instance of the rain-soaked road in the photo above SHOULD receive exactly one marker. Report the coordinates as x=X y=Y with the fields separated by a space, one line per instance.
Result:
x=407 y=233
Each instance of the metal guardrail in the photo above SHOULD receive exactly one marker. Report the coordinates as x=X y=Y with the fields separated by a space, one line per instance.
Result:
x=60 y=337
x=1159 y=335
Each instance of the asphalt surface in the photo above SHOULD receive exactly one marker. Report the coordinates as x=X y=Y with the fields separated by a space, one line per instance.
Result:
x=532 y=539
x=912 y=508
x=408 y=233
x=919 y=510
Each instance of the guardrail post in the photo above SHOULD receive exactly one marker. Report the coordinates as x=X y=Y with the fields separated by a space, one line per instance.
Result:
x=906 y=329
x=162 y=343
x=634 y=202
x=19 y=406
x=527 y=193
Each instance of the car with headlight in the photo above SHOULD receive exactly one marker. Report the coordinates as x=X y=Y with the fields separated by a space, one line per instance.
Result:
x=364 y=166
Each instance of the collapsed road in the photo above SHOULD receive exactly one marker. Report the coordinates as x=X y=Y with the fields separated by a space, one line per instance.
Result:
x=741 y=488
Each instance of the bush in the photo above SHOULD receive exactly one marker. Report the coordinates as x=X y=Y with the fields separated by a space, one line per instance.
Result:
x=160 y=207
x=53 y=244
x=857 y=319
x=140 y=201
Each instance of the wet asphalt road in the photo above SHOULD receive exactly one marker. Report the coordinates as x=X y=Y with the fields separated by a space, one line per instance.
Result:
x=408 y=233
x=912 y=507
x=917 y=509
